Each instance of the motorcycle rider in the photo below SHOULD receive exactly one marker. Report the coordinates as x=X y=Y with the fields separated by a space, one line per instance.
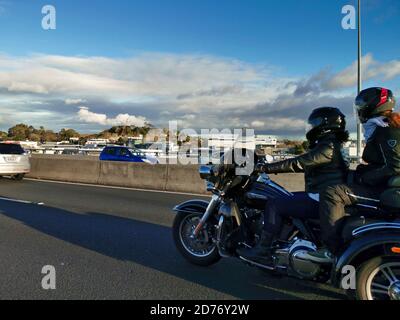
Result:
x=324 y=165
x=382 y=157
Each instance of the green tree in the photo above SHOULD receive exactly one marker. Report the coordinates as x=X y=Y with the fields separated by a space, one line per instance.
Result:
x=34 y=137
x=66 y=134
x=48 y=136
x=3 y=135
x=19 y=132
x=144 y=131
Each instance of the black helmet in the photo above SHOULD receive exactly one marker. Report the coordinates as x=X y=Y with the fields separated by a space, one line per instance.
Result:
x=325 y=120
x=373 y=102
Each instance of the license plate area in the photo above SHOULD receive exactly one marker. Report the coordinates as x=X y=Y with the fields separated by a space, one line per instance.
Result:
x=10 y=159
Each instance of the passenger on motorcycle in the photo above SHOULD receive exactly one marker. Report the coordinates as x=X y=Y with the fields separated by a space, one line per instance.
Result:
x=382 y=157
x=324 y=165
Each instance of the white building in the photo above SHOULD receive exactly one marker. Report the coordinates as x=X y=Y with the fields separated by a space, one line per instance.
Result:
x=350 y=148
x=265 y=141
x=228 y=141
x=97 y=142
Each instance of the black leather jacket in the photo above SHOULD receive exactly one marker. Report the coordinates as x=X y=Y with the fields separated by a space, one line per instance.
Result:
x=382 y=154
x=323 y=165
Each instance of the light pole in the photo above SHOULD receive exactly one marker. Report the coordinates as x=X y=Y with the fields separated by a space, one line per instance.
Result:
x=359 y=83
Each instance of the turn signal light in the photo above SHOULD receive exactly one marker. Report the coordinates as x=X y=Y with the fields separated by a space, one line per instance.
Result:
x=396 y=249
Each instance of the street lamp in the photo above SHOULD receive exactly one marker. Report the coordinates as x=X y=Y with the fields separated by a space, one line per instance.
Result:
x=359 y=83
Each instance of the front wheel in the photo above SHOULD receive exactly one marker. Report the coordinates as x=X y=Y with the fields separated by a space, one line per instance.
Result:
x=201 y=250
x=379 y=279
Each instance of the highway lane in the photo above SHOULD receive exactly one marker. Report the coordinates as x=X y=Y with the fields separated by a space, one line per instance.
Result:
x=115 y=244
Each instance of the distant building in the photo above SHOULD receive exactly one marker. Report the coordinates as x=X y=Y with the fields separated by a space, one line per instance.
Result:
x=228 y=141
x=97 y=142
x=350 y=148
x=266 y=141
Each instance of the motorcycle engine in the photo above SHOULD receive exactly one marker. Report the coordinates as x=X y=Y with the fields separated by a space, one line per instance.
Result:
x=294 y=257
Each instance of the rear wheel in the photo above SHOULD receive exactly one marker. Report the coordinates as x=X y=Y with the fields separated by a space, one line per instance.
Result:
x=379 y=279
x=200 y=250
x=18 y=177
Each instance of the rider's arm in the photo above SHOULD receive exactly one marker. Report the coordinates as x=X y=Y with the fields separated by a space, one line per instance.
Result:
x=389 y=147
x=321 y=154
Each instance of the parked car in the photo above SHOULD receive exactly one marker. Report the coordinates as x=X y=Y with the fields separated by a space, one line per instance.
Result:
x=118 y=153
x=14 y=161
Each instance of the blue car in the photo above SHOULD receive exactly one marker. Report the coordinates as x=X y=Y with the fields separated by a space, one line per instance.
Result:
x=118 y=153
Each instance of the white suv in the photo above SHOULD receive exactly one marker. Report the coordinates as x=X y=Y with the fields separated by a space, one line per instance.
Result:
x=14 y=161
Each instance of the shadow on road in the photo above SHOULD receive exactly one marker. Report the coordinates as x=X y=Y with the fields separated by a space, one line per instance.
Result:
x=152 y=246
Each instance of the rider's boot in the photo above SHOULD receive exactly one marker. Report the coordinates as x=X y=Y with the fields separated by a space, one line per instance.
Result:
x=262 y=252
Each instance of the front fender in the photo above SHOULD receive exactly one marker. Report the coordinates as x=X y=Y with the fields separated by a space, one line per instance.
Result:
x=192 y=206
x=362 y=249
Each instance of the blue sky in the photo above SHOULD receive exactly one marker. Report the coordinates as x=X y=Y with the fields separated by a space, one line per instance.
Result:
x=263 y=50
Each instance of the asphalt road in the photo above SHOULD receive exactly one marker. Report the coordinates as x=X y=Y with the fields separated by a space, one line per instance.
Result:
x=115 y=244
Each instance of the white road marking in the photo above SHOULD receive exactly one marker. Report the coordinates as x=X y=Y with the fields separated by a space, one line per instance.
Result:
x=119 y=188
x=22 y=201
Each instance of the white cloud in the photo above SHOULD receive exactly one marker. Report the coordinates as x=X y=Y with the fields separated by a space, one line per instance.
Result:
x=288 y=124
x=371 y=69
x=26 y=87
x=74 y=101
x=199 y=90
x=258 y=124
x=85 y=115
x=190 y=81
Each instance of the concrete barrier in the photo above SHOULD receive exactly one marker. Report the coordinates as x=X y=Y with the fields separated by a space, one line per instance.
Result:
x=133 y=175
x=63 y=168
x=185 y=178
x=179 y=178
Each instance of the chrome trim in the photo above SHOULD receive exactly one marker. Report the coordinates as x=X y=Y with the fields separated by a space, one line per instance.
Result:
x=375 y=226
x=257 y=264
x=394 y=291
x=362 y=198
x=215 y=199
x=236 y=213
x=221 y=250
x=366 y=206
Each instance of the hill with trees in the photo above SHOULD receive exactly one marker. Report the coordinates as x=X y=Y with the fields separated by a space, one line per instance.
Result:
x=23 y=132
